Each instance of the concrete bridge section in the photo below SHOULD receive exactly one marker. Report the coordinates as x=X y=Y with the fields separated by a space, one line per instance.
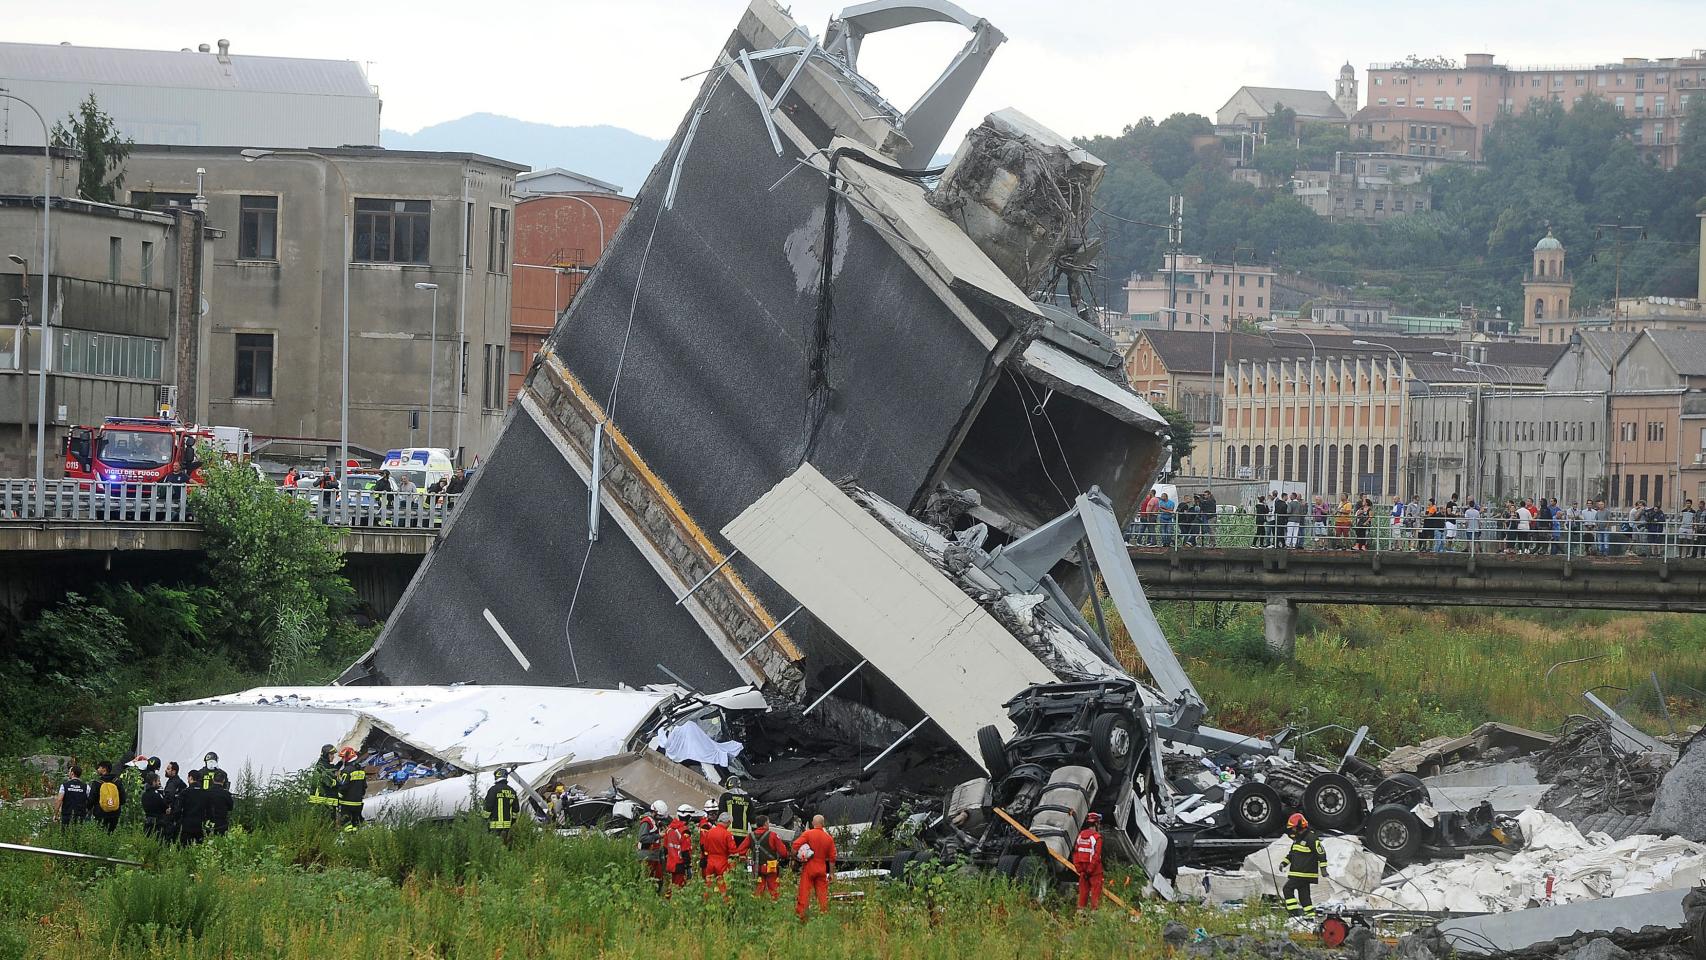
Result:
x=1280 y=579
x=41 y=561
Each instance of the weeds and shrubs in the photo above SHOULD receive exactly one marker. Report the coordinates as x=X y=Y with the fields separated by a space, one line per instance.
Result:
x=297 y=888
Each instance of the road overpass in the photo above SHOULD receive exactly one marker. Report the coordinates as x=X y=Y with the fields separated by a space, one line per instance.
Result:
x=1281 y=578
x=72 y=538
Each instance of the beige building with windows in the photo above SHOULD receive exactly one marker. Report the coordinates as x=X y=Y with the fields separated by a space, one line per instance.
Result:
x=1204 y=296
x=1651 y=93
x=121 y=287
x=271 y=334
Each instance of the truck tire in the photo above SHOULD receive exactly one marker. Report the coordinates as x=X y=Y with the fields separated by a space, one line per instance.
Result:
x=1404 y=789
x=1331 y=802
x=1393 y=832
x=1255 y=810
x=1113 y=743
x=994 y=753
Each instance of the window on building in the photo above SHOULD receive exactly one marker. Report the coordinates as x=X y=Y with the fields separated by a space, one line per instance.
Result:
x=1467 y=104
x=1258 y=302
x=115 y=258
x=257 y=228
x=254 y=366
x=156 y=200
x=1599 y=81
x=1240 y=299
x=1261 y=281
x=495 y=378
x=1451 y=103
x=1658 y=105
x=497 y=242
x=1643 y=486
x=392 y=231
x=1658 y=490
x=1383 y=102
x=1380 y=204
x=108 y=355
x=147 y=271
x=1640 y=81
x=467 y=246
x=1240 y=279
x=1655 y=431
x=1640 y=104
x=1357 y=203
x=1620 y=105
x=1397 y=204
x=1225 y=300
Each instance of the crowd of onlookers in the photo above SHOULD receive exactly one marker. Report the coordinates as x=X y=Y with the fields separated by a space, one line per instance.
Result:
x=1525 y=525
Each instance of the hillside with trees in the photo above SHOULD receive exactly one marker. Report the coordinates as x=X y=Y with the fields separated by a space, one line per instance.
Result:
x=1571 y=170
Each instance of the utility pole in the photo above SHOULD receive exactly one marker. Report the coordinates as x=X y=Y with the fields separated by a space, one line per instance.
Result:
x=1175 y=238
x=1618 y=230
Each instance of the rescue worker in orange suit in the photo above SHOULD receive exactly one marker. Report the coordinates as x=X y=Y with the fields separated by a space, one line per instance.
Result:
x=652 y=827
x=768 y=851
x=1087 y=860
x=718 y=845
x=678 y=848
x=1304 y=866
x=814 y=849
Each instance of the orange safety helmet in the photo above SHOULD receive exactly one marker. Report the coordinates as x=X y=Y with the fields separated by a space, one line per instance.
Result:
x=347 y=753
x=1092 y=817
x=1296 y=823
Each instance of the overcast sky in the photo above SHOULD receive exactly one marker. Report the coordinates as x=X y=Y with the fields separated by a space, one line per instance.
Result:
x=1079 y=66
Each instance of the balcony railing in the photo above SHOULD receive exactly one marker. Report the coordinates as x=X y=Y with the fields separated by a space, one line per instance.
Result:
x=85 y=501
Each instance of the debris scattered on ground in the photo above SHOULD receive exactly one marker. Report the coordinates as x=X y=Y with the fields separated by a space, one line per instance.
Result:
x=1594 y=773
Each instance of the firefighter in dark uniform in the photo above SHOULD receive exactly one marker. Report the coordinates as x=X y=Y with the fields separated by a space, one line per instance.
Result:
x=323 y=783
x=1305 y=865
x=502 y=805
x=352 y=789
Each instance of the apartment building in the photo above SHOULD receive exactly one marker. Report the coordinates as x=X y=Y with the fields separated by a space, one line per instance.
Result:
x=271 y=337
x=1189 y=293
x=1652 y=92
x=1417 y=131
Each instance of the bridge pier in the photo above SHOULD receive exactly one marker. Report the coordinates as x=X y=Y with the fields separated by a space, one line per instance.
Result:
x=1279 y=625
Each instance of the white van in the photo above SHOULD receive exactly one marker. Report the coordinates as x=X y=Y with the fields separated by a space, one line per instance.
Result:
x=424 y=465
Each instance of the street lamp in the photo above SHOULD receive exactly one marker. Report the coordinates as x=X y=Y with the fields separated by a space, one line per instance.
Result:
x=1480 y=420
x=250 y=156
x=23 y=347
x=432 y=356
x=46 y=268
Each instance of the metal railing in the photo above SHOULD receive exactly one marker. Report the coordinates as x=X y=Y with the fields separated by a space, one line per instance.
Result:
x=85 y=501
x=1496 y=534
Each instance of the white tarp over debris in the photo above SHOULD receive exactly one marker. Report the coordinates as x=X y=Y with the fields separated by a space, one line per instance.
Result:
x=272 y=732
x=1582 y=868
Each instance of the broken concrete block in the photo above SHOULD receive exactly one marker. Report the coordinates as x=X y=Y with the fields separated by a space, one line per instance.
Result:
x=1599 y=948
x=1021 y=191
x=1678 y=809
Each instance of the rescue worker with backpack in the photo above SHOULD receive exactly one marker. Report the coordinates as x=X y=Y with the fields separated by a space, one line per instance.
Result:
x=502 y=805
x=74 y=800
x=815 y=851
x=1087 y=860
x=1305 y=865
x=352 y=789
x=678 y=848
x=652 y=826
x=109 y=796
x=323 y=782
x=767 y=851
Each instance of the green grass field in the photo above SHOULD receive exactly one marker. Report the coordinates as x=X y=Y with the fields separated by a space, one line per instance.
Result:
x=293 y=888
x=1416 y=672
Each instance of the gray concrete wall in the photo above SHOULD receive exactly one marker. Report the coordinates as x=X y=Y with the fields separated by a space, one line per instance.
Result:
x=298 y=296
x=1545 y=445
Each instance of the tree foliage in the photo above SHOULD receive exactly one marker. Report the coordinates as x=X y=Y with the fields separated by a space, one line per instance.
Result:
x=1180 y=430
x=274 y=569
x=92 y=132
x=1549 y=168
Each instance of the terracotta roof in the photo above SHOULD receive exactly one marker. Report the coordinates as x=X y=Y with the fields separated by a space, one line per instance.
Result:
x=1450 y=118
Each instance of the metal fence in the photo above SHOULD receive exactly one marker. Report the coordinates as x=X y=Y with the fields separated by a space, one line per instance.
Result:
x=1615 y=537
x=91 y=502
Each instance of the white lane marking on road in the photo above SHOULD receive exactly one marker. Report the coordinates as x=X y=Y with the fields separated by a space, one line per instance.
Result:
x=503 y=635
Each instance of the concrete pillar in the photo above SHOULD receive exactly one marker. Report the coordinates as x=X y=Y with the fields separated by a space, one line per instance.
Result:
x=1279 y=625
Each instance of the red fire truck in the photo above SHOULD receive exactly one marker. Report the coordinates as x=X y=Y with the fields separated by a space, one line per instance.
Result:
x=129 y=451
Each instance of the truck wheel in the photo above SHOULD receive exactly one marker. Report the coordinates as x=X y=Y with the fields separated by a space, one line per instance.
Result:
x=1404 y=789
x=1112 y=742
x=994 y=753
x=1331 y=801
x=1393 y=832
x=1255 y=809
